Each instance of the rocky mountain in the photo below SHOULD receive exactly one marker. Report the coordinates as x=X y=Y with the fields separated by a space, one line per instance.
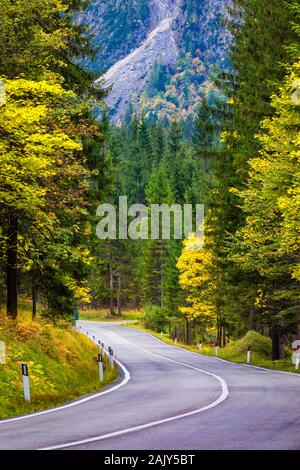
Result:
x=157 y=54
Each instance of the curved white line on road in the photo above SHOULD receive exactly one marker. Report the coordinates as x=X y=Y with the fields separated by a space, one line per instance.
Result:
x=198 y=354
x=77 y=402
x=222 y=397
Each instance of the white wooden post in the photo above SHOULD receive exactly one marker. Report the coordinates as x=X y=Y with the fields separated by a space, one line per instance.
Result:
x=26 y=384
x=2 y=353
x=111 y=358
x=249 y=355
x=100 y=363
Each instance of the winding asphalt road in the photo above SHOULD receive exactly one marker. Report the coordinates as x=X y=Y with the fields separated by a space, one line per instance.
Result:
x=170 y=399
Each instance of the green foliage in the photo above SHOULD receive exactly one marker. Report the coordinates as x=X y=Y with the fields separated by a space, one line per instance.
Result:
x=47 y=127
x=262 y=35
x=62 y=366
x=268 y=243
x=155 y=319
x=175 y=93
x=118 y=27
x=259 y=344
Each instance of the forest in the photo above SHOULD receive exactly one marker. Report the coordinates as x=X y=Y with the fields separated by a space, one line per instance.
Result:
x=236 y=150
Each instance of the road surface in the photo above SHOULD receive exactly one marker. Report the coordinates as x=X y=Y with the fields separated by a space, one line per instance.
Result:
x=171 y=399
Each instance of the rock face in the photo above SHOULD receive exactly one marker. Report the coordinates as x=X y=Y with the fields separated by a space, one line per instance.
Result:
x=131 y=73
x=135 y=36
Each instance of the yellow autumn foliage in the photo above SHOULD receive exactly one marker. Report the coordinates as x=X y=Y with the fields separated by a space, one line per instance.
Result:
x=195 y=265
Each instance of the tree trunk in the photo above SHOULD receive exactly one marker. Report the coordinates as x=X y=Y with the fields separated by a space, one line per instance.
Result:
x=219 y=333
x=111 y=283
x=224 y=337
x=188 y=336
x=119 y=295
x=12 y=268
x=2 y=294
x=34 y=300
x=276 y=345
x=219 y=324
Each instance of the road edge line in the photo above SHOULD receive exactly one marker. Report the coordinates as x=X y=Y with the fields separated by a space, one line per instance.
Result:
x=80 y=401
x=293 y=374
x=224 y=395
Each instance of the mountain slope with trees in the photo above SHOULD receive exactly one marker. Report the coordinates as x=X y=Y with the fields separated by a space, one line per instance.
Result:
x=239 y=158
x=219 y=127
x=153 y=50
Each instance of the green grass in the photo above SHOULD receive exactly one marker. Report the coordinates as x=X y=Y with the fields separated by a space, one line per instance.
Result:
x=93 y=314
x=62 y=365
x=236 y=351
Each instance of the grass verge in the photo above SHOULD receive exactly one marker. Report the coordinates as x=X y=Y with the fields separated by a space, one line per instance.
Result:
x=236 y=351
x=62 y=366
x=104 y=315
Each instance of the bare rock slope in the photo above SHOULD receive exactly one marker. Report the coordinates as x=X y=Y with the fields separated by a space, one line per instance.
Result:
x=130 y=74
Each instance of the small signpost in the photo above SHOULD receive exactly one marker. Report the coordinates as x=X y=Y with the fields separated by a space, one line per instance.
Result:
x=100 y=363
x=2 y=353
x=26 y=382
x=249 y=355
x=199 y=346
x=76 y=315
x=216 y=349
x=175 y=340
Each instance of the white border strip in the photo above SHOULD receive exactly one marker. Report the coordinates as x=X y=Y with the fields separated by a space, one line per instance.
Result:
x=126 y=379
x=224 y=395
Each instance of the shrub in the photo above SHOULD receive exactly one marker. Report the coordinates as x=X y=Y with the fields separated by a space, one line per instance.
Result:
x=259 y=344
x=155 y=319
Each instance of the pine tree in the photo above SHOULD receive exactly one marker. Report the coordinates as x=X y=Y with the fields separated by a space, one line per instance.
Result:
x=269 y=243
x=41 y=40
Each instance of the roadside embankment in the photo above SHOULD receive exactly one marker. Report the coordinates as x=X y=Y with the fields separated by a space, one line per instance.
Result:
x=62 y=366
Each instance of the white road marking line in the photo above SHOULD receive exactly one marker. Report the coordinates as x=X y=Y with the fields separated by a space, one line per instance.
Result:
x=293 y=374
x=223 y=397
x=126 y=379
